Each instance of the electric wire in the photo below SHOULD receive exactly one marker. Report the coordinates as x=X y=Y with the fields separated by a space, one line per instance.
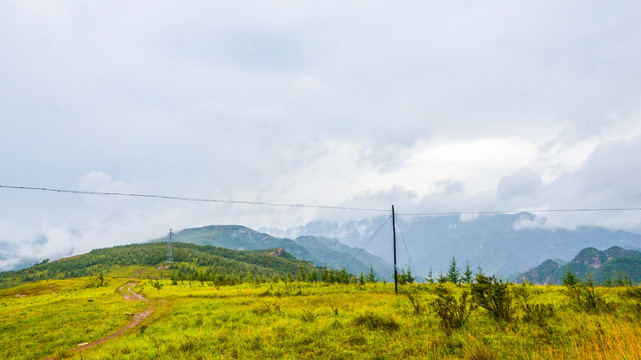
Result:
x=329 y=207
x=193 y=199
x=409 y=258
x=496 y=212
x=367 y=243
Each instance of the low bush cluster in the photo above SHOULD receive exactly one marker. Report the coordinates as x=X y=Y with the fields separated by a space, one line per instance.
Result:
x=494 y=296
x=452 y=311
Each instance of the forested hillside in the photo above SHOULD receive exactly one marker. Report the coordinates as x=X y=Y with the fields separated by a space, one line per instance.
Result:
x=145 y=259
x=319 y=250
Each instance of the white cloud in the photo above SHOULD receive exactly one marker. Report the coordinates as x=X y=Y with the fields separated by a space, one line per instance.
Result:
x=433 y=106
x=523 y=183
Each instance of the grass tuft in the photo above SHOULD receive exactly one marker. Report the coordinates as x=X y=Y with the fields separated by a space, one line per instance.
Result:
x=376 y=322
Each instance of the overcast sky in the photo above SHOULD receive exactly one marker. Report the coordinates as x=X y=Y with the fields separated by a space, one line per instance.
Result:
x=431 y=106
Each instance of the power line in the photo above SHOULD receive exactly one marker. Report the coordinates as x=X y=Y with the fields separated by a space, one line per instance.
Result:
x=330 y=207
x=179 y=198
x=496 y=212
x=409 y=258
x=367 y=243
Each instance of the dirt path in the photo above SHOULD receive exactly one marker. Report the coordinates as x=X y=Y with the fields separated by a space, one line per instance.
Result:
x=131 y=296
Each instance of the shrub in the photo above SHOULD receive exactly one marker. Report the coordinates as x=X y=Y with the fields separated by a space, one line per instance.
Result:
x=494 y=296
x=476 y=350
x=584 y=297
x=416 y=301
x=633 y=293
x=376 y=322
x=308 y=315
x=451 y=311
x=539 y=315
x=156 y=284
x=522 y=293
x=266 y=309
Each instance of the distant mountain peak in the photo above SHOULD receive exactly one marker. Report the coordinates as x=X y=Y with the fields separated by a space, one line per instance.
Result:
x=502 y=244
x=594 y=258
x=319 y=250
x=602 y=265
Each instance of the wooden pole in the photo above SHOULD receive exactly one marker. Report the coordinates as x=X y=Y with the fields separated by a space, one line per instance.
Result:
x=394 y=235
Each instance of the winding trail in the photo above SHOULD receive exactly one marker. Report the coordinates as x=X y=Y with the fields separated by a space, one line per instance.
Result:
x=131 y=296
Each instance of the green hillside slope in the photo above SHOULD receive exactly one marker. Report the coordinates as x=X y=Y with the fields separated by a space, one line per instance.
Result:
x=149 y=259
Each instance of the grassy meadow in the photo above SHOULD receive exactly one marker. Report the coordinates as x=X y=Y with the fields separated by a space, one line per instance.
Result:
x=198 y=320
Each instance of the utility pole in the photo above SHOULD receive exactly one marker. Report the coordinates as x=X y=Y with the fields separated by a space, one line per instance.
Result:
x=170 y=257
x=394 y=235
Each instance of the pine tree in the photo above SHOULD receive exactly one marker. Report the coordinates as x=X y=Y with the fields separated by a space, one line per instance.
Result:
x=343 y=276
x=406 y=276
x=410 y=277
x=453 y=274
x=312 y=276
x=570 y=278
x=430 y=277
x=371 y=276
x=325 y=275
x=468 y=273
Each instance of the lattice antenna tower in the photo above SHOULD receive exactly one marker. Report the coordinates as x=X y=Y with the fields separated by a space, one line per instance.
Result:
x=170 y=257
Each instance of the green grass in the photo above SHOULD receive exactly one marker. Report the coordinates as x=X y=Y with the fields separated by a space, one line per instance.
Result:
x=44 y=318
x=302 y=320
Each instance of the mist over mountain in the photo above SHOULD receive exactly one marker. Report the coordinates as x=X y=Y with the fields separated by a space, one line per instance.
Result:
x=502 y=244
x=499 y=244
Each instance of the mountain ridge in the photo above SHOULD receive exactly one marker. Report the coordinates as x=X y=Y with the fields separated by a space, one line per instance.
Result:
x=603 y=266
x=321 y=251
x=502 y=244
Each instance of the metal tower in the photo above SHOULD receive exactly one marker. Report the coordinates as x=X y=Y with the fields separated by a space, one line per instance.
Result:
x=170 y=258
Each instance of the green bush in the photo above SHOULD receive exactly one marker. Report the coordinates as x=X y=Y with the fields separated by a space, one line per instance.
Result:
x=584 y=297
x=633 y=294
x=451 y=311
x=494 y=296
x=538 y=314
x=416 y=301
x=308 y=315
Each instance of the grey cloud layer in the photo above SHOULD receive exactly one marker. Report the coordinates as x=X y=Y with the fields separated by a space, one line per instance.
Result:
x=308 y=102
